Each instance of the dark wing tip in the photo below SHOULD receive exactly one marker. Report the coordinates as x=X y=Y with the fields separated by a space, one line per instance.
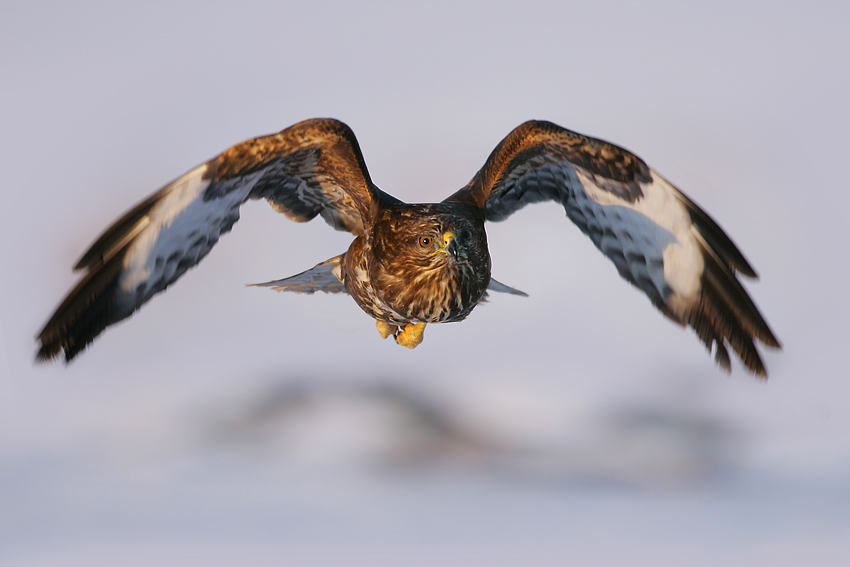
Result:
x=48 y=351
x=725 y=315
x=716 y=238
x=87 y=310
x=721 y=356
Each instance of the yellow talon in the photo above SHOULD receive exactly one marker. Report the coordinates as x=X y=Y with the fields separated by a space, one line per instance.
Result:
x=411 y=336
x=386 y=329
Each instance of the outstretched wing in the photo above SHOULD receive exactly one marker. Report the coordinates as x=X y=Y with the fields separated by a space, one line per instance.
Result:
x=659 y=240
x=312 y=168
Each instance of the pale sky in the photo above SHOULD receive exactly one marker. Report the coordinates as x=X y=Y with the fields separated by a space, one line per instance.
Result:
x=742 y=105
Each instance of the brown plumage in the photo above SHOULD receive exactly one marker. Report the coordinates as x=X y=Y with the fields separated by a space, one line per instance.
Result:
x=408 y=264
x=422 y=264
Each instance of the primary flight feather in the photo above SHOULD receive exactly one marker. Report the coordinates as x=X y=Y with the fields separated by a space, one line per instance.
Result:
x=414 y=264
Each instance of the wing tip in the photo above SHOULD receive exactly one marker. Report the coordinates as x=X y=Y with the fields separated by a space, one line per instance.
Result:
x=88 y=309
x=721 y=319
x=719 y=342
x=57 y=342
x=713 y=235
x=47 y=353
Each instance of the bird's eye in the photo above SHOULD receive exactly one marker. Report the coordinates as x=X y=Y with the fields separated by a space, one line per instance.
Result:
x=424 y=241
x=465 y=235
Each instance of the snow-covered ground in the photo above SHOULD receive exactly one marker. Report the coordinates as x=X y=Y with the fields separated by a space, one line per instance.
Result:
x=224 y=425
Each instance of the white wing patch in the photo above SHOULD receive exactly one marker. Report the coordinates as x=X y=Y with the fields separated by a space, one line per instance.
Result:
x=683 y=260
x=178 y=231
x=652 y=240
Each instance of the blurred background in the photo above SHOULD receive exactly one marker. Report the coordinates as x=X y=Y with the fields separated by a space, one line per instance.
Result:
x=223 y=425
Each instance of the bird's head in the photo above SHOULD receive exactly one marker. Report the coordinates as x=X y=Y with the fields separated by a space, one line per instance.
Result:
x=439 y=236
x=430 y=263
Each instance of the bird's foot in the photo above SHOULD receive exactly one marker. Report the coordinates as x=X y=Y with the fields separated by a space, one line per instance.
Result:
x=386 y=329
x=411 y=335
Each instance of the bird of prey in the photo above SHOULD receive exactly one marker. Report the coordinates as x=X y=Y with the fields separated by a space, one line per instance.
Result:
x=414 y=264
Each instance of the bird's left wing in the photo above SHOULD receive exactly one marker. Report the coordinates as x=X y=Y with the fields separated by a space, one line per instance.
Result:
x=312 y=168
x=659 y=240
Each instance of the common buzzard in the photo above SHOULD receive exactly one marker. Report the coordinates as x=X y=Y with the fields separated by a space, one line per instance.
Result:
x=413 y=264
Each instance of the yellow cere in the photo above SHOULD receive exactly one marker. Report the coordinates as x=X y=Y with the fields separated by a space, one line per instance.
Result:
x=447 y=238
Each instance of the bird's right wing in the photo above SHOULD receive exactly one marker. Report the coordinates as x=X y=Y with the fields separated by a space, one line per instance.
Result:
x=312 y=168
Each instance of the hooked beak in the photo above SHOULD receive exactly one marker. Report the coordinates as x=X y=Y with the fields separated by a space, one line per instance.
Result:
x=451 y=246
